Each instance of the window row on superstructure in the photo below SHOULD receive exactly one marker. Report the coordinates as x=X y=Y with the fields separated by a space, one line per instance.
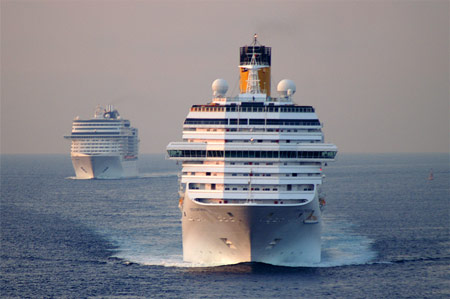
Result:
x=84 y=146
x=91 y=141
x=252 y=108
x=96 y=133
x=222 y=141
x=251 y=130
x=92 y=151
x=245 y=121
x=104 y=149
x=252 y=154
x=221 y=174
x=227 y=163
x=106 y=129
x=105 y=146
x=253 y=187
x=99 y=121
x=106 y=139
x=112 y=125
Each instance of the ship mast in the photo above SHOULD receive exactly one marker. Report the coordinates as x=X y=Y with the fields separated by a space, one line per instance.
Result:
x=253 y=78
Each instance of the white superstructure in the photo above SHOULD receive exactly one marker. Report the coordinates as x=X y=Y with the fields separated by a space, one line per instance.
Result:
x=252 y=170
x=104 y=147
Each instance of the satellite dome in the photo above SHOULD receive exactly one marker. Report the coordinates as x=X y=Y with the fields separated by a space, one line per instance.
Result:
x=286 y=87
x=219 y=87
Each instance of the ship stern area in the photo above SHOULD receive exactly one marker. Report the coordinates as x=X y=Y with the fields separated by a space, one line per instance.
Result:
x=230 y=233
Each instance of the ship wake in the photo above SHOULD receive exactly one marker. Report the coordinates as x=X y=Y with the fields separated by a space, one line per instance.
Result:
x=139 y=176
x=341 y=246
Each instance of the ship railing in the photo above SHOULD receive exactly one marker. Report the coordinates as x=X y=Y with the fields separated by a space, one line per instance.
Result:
x=222 y=201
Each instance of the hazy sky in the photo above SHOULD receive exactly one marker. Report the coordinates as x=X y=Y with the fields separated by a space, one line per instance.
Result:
x=377 y=72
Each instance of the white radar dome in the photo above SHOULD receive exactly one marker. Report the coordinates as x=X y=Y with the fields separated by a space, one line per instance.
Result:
x=286 y=87
x=219 y=87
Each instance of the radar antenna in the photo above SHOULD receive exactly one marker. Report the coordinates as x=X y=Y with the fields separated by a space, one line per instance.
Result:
x=255 y=40
x=99 y=111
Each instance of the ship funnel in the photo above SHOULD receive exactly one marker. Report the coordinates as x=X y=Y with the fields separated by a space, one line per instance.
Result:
x=262 y=58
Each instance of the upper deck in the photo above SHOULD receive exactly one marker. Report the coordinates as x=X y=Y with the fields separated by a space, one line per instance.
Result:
x=105 y=123
x=252 y=107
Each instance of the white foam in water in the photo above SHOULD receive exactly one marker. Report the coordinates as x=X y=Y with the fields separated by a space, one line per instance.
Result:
x=139 y=176
x=74 y=178
x=341 y=246
x=144 y=253
x=158 y=174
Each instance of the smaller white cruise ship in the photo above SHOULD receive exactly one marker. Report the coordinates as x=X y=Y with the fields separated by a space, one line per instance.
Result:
x=104 y=147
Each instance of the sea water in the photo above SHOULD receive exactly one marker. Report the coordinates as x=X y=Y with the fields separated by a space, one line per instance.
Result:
x=385 y=234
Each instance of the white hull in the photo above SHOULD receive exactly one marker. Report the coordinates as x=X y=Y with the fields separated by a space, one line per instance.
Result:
x=103 y=167
x=276 y=234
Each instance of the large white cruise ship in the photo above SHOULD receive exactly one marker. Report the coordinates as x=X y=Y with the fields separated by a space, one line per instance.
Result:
x=251 y=173
x=104 y=147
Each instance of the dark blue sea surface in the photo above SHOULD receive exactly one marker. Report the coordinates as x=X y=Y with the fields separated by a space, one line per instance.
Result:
x=386 y=234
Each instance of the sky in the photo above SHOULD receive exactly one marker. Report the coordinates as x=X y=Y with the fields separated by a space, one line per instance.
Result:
x=377 y=72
